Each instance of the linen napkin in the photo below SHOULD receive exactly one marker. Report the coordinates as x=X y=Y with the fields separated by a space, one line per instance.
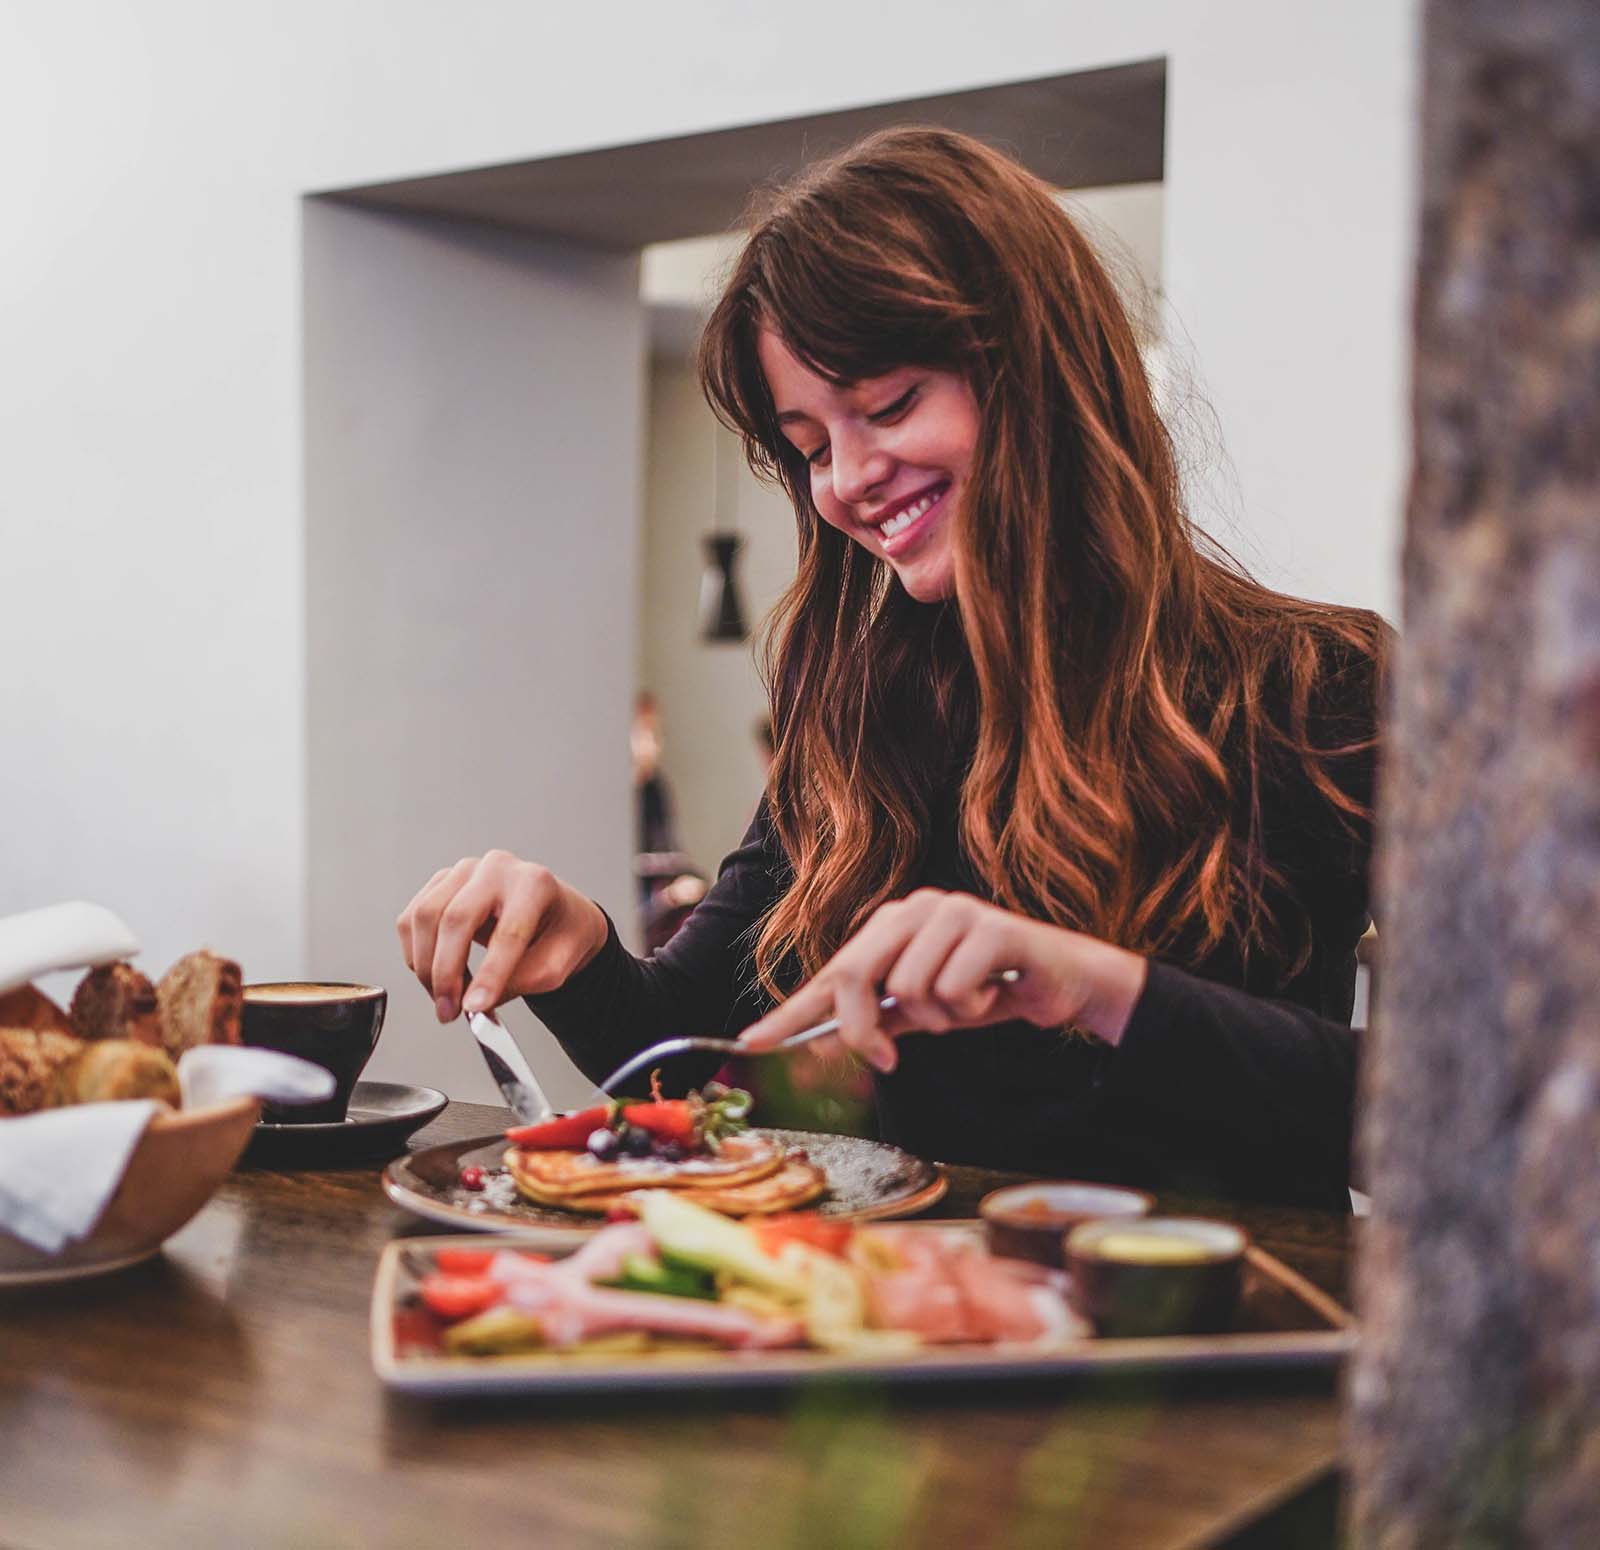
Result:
x=60 y=1168
x=60 y=936
x=213 y=1073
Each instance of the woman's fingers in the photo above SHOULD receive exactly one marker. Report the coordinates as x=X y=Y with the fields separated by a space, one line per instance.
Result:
x=965 y=982
x=913 y=979
x=419 y=925
x=855 y=1004
x=403 y=925
x=521 y=913
x=847 y=987
x=480 y=899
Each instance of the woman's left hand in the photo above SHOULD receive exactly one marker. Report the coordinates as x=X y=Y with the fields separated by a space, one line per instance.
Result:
x=937 y=953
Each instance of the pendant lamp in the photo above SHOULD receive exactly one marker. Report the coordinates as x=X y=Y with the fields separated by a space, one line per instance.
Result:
x=722 y=615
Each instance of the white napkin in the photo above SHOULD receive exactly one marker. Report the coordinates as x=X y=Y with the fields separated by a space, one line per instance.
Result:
x=60 y=1168
x=60 y=936
x=213 y=1073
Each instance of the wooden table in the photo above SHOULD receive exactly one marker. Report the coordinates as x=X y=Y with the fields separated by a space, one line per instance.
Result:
x=221 y=1395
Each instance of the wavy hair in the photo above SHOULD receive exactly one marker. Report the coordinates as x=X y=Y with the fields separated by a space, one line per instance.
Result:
x=1098 y=687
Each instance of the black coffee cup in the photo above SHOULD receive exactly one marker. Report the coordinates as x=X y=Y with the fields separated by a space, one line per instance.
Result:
x=332 y=1025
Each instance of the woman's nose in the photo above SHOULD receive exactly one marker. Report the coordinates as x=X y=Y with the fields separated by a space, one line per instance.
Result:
x=859 y=468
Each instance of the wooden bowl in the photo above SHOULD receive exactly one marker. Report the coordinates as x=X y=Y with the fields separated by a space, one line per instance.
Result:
x=175 y=1169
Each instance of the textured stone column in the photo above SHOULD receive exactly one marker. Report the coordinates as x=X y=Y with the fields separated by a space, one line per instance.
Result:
x=1475 y=1402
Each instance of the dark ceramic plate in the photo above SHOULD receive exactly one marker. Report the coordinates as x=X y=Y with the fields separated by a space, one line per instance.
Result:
x=382 y=1116
x=866 y=1181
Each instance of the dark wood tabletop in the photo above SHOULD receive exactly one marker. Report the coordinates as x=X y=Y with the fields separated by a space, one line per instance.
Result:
x=221 y=1394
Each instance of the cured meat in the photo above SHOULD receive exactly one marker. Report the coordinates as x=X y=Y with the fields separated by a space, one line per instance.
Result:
x=946 y=1289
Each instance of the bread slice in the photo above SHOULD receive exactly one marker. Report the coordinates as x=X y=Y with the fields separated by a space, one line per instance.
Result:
x=116 y=1002
x=26 y=1007
x=30 y=1061
x=113 y=1069
x=201 y=998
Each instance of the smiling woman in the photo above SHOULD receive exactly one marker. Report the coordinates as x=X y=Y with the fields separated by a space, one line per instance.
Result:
x=1023 y=720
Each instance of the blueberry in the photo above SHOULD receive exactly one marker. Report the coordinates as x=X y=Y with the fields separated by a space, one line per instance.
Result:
x=670 y=1151
x=636 y=1142
x=603 y=1144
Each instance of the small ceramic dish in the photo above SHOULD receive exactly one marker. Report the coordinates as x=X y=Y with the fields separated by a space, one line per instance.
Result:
x=175 y=1169
x=1031 y=1221
x=1156 y=1275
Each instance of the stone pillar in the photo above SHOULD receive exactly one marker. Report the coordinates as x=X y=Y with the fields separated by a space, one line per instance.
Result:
x=1474 y=1404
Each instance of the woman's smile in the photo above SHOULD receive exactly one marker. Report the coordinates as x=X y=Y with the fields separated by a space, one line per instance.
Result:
x=912 y=522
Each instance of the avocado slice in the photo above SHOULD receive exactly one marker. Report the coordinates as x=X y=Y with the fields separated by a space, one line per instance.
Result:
x=698 y=1239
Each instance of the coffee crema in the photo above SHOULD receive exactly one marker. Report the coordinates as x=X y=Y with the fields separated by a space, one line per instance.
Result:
x=306 y=993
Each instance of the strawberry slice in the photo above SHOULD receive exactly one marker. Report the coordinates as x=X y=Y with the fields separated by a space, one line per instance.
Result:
x=667 y=1119
x=565 y=1130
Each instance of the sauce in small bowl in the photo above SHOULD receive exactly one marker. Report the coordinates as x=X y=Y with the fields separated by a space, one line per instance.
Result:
x=1160 y=1275
x=1031 y=1221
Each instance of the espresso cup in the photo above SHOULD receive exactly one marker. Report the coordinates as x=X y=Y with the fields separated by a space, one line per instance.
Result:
x=334 y=1026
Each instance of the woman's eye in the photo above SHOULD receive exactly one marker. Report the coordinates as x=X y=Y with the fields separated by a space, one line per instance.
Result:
x=815 y=458
x=896 y=409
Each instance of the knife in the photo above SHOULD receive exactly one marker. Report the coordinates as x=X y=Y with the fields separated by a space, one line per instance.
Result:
x=507 y=1064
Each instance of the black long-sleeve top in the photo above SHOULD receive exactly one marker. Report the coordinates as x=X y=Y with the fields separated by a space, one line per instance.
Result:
x=1227 y=1081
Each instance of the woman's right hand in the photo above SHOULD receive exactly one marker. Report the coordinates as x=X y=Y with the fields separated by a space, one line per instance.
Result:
x=539 y=931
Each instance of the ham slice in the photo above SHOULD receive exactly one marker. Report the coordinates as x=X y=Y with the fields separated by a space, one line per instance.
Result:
x=947 y=1289
x=570 y=1308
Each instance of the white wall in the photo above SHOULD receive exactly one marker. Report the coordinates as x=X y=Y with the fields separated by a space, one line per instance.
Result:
x=151 y=529
x=709 y=694
x=471 y=569
x=1291 y=208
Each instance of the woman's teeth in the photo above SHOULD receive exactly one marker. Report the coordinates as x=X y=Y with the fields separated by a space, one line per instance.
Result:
x=902 y=520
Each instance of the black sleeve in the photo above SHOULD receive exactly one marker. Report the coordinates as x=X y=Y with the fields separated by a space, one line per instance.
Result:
x=1270 y=1084
x=701 y=982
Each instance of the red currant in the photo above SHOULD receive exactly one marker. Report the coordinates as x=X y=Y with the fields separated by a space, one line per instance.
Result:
x=472 y=1178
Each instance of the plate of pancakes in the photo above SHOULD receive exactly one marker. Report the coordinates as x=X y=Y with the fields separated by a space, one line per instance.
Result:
x=758 y=1173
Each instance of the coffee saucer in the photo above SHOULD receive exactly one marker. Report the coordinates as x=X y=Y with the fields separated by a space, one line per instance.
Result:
x=381 y=1117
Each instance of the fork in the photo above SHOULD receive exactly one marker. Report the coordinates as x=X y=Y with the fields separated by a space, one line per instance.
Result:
x=669 y=1047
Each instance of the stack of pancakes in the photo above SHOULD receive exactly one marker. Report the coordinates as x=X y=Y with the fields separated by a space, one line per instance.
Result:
x=752 y=1175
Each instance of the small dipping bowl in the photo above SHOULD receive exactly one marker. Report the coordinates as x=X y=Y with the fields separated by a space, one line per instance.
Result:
x=1159 y=1275
x=1031 y=1221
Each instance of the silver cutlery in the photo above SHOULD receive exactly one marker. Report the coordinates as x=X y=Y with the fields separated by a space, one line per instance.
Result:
x=507 y=1064
x=670 y=1047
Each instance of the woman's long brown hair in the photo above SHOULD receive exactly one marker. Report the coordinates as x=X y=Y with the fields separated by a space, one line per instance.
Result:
x=1100 y=687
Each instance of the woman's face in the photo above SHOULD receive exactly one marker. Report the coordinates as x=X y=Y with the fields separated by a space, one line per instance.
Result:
x=889 y=457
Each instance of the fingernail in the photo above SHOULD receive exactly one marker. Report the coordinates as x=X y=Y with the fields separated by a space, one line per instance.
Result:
x=477 y=1000
x=445 y=1006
